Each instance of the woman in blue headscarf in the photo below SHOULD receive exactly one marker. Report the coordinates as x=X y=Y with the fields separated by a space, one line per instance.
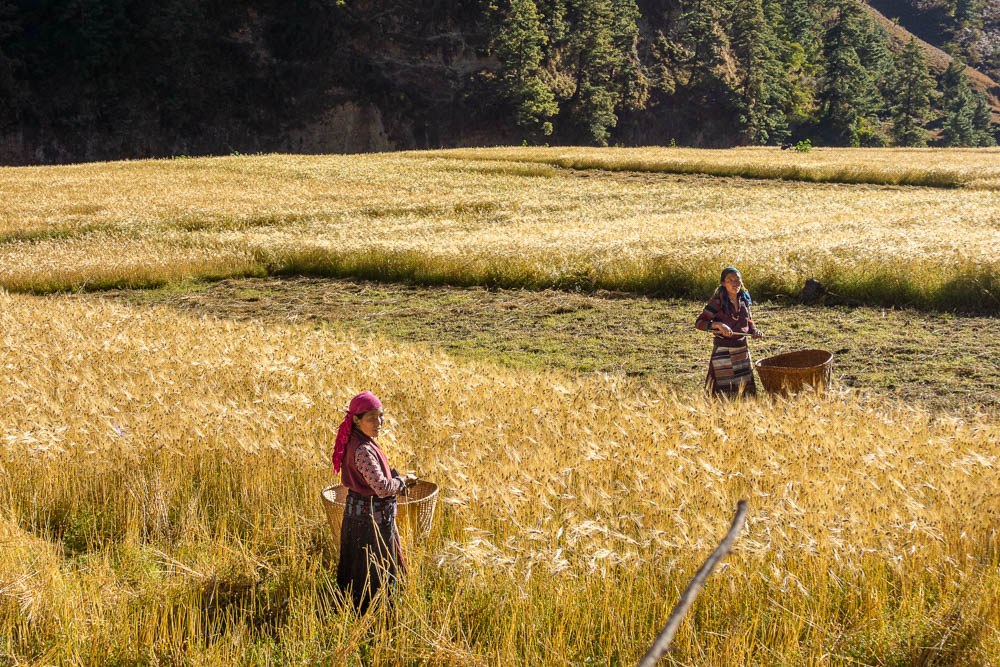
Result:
x=730 y=370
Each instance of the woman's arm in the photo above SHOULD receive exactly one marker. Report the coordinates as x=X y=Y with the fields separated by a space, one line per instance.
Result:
x=368 y=465
x=707 y=317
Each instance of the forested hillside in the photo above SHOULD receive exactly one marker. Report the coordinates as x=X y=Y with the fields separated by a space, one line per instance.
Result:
x=102 y=79
x=968 y=29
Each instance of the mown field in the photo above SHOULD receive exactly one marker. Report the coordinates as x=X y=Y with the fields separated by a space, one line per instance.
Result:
x=161 y=459
x=935 y=359
x=463 y=217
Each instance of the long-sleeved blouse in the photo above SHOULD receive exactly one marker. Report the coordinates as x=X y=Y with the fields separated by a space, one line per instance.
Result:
x=740 y=320
x=367 y=463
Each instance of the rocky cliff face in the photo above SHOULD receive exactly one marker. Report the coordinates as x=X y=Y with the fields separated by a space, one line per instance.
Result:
x=364 y=76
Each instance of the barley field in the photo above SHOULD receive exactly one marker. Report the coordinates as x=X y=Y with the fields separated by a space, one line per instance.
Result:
x=160 y=471
x=565 y=218
x=160 y=493
x=969 y=167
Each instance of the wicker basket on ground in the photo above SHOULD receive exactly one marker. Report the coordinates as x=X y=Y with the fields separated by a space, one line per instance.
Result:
x=794 y=371
x=415 y=511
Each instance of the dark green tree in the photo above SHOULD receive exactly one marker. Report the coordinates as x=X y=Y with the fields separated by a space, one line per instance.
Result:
x=798 y=48
x=592 y=107
x=959 y=107
x=982 y=122
x=519 y=47
x=552 y=15
x=857 y=68
x=968 y=14
x=800 y=25
x=992 y=62
x=762 y=84
x=912 y=87
x=599 y=44
x=844 y=97
x=700 y=39
x=629 y=74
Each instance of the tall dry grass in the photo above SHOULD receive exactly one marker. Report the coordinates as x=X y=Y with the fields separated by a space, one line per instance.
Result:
x=161 y=477
x=435 y=218
x=929 y=167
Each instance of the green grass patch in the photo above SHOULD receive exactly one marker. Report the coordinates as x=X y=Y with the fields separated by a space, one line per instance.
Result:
x=937 y=360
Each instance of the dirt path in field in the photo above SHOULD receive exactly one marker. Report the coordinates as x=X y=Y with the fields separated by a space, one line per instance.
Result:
x=942 y=360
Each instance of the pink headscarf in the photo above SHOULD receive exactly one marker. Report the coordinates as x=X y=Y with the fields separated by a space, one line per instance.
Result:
x=360 y=404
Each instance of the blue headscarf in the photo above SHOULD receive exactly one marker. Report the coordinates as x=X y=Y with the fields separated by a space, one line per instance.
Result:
x=723 y=295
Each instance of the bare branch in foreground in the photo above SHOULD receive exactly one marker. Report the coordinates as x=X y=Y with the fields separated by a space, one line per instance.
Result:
x=662 y=642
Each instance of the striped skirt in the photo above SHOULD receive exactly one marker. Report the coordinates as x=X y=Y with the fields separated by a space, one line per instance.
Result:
x=730 y=371
x=370 y=553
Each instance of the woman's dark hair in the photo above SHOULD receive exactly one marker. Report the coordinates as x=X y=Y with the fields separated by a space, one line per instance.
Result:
x=723 y=296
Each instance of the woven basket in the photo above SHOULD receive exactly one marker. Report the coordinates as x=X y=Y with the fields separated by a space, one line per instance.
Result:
x=414 y=515
x=794 y=371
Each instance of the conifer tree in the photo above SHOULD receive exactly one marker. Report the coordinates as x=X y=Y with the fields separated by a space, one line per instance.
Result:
x=982 y=122
x=552 y=17
x=912 y=86
x=799 y=25
x=877 y=57
x=858 y=67
x=601 y=31
x=519 y=49
x=628 y=73
x=959 y=107
x=797 y=33
x=992 y=62
x=761 y=85
x=700 y=40
x=846 y=83
x=968 y=14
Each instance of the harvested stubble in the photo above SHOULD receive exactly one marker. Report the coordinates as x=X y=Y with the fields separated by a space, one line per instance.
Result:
x=161 y=476
x=434 y=218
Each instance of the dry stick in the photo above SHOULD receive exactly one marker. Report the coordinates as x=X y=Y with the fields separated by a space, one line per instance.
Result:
x=662 y=642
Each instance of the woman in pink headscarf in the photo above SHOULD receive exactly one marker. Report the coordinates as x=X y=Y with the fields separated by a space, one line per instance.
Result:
x=370 y=555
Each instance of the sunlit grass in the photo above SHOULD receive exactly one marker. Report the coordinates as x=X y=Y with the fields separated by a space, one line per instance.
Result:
x=160 y=493
x=953 y=168
x=435 y=218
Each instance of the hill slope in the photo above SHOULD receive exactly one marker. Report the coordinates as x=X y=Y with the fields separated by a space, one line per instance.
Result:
x=914 y=24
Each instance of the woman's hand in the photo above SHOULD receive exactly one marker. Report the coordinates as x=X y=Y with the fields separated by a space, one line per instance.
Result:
x=757 y=334
x=408 y=481
x=722 y=328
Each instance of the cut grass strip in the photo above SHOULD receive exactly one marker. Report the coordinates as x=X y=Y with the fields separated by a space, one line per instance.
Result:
x=848 y=166
x=938 y=363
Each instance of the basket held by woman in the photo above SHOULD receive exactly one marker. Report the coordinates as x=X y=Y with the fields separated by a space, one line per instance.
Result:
x=414 y=511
